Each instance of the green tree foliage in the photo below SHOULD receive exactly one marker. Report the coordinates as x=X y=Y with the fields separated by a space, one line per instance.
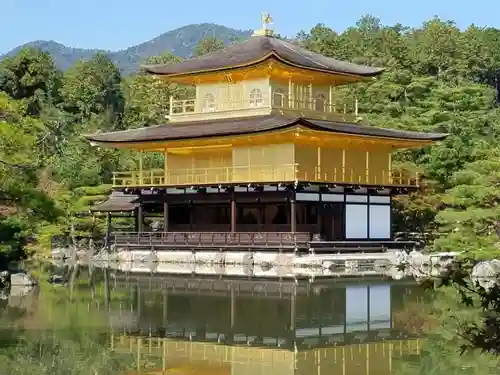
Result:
x=24 y=202
x=32 y=77
x=147 y=96
x=64 y=336
x=455 y=323
x=208 y=45
x=93 y=88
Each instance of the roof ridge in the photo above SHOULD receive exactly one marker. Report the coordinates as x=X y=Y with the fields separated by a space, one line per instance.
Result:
x=286 y=45
x=254 y=125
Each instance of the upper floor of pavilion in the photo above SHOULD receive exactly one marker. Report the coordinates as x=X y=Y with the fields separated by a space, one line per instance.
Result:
x=262 y=76
x=264 y=111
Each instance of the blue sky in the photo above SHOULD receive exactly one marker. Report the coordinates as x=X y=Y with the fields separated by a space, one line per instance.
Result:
x=117 y=24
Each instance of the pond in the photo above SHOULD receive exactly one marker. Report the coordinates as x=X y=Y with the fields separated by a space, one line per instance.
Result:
x=101 y=321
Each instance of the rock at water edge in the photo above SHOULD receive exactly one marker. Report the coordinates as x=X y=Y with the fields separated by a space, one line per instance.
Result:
x=22 y=279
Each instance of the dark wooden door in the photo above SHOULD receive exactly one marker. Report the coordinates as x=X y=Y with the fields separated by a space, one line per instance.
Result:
x=332 y=221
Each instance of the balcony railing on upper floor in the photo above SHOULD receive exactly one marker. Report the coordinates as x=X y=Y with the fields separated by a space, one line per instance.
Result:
x=261 y=174
x=263 y=103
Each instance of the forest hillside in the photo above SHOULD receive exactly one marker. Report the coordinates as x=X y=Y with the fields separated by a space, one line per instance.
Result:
x=180 y=42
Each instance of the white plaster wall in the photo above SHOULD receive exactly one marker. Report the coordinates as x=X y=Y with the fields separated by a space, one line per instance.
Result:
x=224 y=92
x=380 y=221
x=356 y=221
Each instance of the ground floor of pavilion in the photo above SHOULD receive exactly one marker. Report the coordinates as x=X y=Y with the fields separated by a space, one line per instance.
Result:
x=274 y=217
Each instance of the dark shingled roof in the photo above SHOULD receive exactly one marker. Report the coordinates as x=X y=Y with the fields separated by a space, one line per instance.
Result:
x=117 y=202
x=257 y=49
x=251 y=125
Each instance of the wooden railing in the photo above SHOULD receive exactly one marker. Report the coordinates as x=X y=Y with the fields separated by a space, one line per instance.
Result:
x=344 y=108
x=186 y=106
x=316 y=104
x=356 y=176
x=262 y=174
x=215 y=239
x=202 y=176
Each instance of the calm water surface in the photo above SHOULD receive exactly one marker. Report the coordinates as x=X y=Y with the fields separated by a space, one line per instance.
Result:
x=187 y=324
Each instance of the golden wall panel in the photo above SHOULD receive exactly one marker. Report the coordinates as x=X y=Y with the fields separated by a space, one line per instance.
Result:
x=263 y=163
x=355 y=166
x=326 y=164
x=306 y=156
x=330 y=168
x=379 y=167
x=199 y=168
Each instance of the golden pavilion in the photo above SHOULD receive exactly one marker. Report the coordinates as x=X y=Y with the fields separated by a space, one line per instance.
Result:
x=265 y=154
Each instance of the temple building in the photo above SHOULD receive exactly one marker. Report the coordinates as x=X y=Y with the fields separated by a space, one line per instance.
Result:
x=267 y=153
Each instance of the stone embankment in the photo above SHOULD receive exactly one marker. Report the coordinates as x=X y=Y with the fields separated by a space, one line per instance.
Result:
x=397 y=264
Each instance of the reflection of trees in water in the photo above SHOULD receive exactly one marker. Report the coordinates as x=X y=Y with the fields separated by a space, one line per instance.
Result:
x=440 y=321
x=414 y=318
x=53 y=335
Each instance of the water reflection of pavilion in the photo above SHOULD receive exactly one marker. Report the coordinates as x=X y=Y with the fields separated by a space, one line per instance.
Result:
x=248 y=326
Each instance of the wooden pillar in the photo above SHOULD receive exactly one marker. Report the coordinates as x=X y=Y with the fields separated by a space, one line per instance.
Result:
x=318 y=164
x=233 y=214
x=165 y=309
x=229 y=331
x=108 y=231
x=259 y=217
x=343 y=166
x=293 y=317
x=331 y=107
x=233 y=309
x=139 y=302
x=293 y=216
x=107 y=290
x=389 y=170
x=140 y=218
x=263 y=217
x=319 y=219
x=136 y=220
x=310 y=94
x=141 y=172
x=165 y=216
x=191 y=216
x=367 y=168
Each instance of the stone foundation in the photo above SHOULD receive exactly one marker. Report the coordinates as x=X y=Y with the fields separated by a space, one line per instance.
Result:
x=277 y=264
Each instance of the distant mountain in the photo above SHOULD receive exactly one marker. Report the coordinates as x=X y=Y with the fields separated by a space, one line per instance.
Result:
x=181 y=42
x=63 y=56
